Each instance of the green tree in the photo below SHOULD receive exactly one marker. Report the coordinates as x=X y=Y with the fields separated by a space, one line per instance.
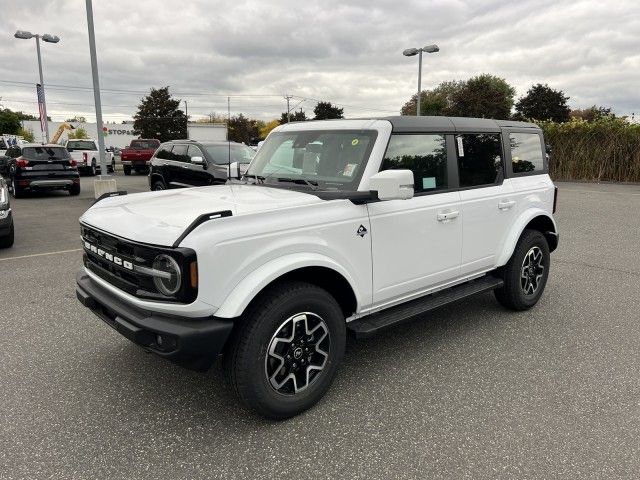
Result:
x=243 y=129
x=264 y=131
x=484 y=96
x=28 y=116
x=77 y=119
x=593 y=114
x=159 y=117
x=26 y=134
x=77 y=133
x=9 y=122
x=543 y=103
x=326 y=111
x=298 y=116
x=433 y=102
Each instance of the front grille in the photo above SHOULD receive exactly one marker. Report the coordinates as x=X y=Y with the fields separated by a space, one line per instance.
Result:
x=114 y=260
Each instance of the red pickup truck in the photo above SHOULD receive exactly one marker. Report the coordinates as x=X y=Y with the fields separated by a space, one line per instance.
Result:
x=138 y=154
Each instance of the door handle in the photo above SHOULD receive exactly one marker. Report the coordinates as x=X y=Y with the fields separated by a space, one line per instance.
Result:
x=184 y=166
x=506 y=204
x=446 y=216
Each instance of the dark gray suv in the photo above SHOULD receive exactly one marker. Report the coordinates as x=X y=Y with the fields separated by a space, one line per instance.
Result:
x=187 y=163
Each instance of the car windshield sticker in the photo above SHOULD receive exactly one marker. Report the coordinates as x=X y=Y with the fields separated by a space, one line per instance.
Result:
x=428 y=182
x=349 y=168
x=355 y=141
x=460 y=147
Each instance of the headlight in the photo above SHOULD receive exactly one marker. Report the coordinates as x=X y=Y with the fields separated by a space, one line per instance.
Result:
x=170 y=283
x=4 y=197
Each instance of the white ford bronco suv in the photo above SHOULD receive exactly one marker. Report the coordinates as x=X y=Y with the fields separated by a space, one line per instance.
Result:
x=337 y=226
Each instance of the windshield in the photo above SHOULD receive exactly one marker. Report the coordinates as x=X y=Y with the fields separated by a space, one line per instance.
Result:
x=239 y=153
x=328 y=159
x=144 y=144
x=81 y=145
x=45 y=153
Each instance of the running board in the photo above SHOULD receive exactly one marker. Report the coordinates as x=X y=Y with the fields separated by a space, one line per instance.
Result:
x=371 y=324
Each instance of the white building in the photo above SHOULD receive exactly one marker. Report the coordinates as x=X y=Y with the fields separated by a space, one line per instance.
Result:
x=120 y=134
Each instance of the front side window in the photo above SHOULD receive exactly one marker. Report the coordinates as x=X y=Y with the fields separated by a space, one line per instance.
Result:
x=424 y=155
x=194 y=151
x=526 y=153
x=326 y=159
x=479 y=159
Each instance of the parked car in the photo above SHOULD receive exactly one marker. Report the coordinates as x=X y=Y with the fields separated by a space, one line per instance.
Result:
x=138 y=155
x=6 y=217
x=184 y=163
x=85 y=153
x=341 y=225
x=34 y=167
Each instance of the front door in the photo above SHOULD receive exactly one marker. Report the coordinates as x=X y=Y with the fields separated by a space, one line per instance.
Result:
x=416 y=243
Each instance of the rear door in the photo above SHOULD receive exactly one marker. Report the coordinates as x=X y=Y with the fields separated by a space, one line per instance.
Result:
x=178 y=166
x=416 y=243
x=488 y=202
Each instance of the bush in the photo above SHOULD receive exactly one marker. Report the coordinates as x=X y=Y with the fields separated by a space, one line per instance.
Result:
x=604 y=150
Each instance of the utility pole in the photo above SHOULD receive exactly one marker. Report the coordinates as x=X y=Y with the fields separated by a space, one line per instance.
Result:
x=288 y=97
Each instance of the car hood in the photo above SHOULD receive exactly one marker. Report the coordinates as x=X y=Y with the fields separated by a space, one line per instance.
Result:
x=160 y=218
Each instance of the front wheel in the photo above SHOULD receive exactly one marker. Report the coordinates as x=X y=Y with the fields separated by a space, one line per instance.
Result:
x=286 y=350
x=526 y=273
x=7 y=240
x=16 y=191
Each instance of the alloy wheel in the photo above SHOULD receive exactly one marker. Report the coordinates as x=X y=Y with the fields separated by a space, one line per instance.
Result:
x=297 y=353
x=532 y=271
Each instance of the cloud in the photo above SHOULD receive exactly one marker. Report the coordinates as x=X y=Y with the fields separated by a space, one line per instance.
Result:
x=346 y=52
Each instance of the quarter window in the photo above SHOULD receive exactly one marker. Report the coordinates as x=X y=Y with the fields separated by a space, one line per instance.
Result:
x=479 y=159
x=424 y=155
x=526 y=153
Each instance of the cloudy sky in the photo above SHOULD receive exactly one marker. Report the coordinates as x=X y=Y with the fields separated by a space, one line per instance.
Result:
x=346 y=52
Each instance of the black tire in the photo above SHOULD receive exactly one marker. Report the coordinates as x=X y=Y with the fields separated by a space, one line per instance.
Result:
x=16 y=191
x=126 y=169
x=526 y=273
x=93 y=169
x=7 y=240
x=74 y=189
x=158 y=185
x=111 y=168
x=246 y=361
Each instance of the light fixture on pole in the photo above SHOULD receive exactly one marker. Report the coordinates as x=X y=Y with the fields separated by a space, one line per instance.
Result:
x=410 y=52
x=24 y=35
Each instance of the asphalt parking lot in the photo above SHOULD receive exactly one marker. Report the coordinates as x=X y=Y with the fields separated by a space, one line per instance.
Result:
x=469 y=391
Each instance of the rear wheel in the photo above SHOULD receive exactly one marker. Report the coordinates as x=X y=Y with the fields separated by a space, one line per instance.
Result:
x=126 y=169
x=16 y=191
x=74 y=189
x=285 y=351
x=7 y=240
x=526 y=273
x=158 y=185
x=112 y=168
x=93 y=169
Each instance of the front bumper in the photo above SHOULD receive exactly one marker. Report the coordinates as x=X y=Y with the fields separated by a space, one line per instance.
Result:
x=193 y=343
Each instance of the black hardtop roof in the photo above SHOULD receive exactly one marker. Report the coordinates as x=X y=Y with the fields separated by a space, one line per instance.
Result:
x=453 y=124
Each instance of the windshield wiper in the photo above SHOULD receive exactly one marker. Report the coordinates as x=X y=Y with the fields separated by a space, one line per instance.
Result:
x=258 y=178
x=300 y=181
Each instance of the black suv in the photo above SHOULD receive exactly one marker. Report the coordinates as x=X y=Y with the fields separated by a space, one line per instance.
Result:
x=34 y=167
x=186 y=163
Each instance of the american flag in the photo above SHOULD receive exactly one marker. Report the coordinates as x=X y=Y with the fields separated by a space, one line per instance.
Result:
x=43 y=118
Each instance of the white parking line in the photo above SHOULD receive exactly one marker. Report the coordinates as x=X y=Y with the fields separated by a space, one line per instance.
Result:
x=40 y=254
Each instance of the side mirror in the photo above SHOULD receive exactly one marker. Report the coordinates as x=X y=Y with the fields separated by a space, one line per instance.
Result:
x=197 y=160
x=234 y=170
x=392 y=184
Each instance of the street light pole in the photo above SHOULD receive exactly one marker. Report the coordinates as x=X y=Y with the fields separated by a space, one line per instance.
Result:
x=24 y=35
x=96 y=88
x=44 y=98
x=410 y=52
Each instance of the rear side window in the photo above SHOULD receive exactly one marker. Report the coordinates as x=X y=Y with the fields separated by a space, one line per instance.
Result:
x=479 y=159
x=526 y=153
x=45 y=153
x=424 y=155
x=179 y=153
